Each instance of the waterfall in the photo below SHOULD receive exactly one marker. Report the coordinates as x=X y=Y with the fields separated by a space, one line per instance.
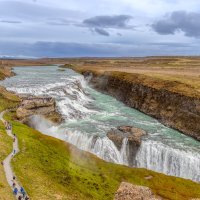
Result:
x=124 y=151
x=158 y=157
x=102 y=147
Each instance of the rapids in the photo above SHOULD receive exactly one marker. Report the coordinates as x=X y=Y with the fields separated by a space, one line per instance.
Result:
x=89 y=115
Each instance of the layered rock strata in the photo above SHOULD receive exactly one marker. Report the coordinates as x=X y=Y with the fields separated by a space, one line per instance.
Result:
x=44 y=106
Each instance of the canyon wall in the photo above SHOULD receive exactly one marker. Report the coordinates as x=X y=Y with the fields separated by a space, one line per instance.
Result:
x=156 y=98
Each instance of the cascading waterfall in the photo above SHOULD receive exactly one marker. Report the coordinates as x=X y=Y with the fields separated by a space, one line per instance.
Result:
x=156 y=156
x=102 y=147
x=89 y=115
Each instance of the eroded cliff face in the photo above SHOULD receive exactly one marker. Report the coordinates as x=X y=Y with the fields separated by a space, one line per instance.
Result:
x=5 y=71
x=155 y=98
x=44 y=106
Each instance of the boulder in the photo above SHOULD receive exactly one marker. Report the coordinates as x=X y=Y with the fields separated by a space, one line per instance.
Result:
x=128 y=191
x=133 y=135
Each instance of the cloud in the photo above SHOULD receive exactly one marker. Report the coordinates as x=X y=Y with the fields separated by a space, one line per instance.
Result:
x=101 y=32
x=62 y=49
x=32 y=11
x=61 y=22
x=179 y=21
x=116 y=21
x=10 y=21
x=98 y=24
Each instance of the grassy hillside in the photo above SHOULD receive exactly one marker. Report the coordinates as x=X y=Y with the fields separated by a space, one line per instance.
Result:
x=52 y=169
x=7 y=100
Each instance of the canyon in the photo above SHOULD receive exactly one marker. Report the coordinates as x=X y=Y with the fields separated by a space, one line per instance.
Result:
x=75 y=101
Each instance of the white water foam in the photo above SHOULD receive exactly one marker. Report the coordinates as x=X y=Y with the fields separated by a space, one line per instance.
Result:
x=156 y=156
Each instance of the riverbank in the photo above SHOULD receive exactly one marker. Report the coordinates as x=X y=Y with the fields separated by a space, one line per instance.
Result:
x=172 y=99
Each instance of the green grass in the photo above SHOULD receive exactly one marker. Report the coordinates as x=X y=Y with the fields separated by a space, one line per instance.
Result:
x=52 y=169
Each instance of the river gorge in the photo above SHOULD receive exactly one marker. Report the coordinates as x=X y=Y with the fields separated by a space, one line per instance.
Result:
x=88 y=115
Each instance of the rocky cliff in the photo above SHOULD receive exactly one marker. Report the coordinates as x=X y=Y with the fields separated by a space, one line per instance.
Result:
x=38 y=106
x=164 y=100
x=5 y=71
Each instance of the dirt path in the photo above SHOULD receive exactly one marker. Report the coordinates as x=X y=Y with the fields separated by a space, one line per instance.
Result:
x=7 y=162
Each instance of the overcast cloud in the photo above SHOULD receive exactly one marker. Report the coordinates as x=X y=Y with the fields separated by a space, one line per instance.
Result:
x=60 y=28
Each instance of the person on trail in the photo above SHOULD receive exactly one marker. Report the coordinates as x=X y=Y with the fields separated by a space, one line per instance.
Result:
x=14 y=139
x=2 y=163
x=22 y=191
x=14 y=151
x=20 y=197
x=15 y=191
x=8 y=125
x=14 y=184
x=26 y=198
x=14 y=178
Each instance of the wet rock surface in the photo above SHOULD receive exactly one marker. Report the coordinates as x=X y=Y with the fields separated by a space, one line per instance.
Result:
x=38 y=106
x=128 y=191
x=132 y=134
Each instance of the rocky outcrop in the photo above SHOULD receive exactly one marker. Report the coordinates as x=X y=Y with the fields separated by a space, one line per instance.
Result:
x=156 y=98
x=128 y=191
x=38 y=106
x=133 y=135
x=5 y=71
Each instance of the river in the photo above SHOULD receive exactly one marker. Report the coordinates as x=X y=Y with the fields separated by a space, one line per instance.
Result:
x=88 y=115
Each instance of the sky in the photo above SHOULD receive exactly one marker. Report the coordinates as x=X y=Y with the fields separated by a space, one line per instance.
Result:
x=99 y=28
